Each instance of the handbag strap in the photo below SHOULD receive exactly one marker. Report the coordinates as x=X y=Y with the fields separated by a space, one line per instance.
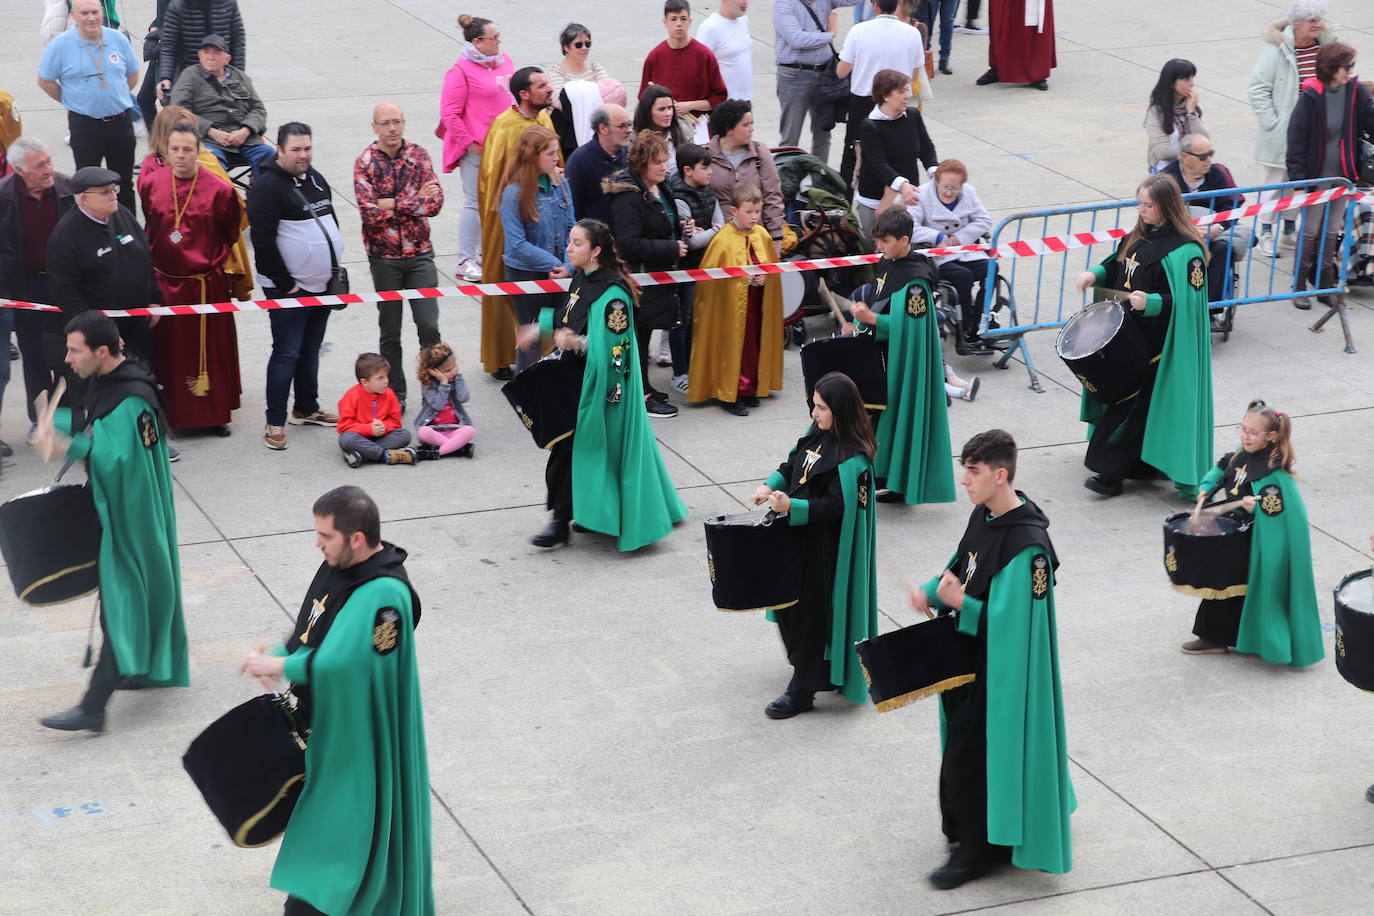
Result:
x=816 y=19
x=328 y=241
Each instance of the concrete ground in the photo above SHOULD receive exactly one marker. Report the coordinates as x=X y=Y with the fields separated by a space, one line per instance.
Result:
x=596 y=737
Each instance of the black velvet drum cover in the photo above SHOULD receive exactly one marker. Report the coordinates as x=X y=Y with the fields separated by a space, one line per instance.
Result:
x=50 y=539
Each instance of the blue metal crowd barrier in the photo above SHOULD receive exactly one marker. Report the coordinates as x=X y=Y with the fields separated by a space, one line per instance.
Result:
x=1039 y=288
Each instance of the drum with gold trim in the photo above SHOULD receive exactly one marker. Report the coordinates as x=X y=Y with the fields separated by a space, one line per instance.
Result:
x=1355 y=629
x=917 y=661
x=1210 y=562
x=545 y=397
x=50 y=539
x=754 y=560
x=859 y=356
x=1105 y=350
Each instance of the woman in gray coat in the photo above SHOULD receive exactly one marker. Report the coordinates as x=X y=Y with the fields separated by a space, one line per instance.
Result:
x=1289 y=56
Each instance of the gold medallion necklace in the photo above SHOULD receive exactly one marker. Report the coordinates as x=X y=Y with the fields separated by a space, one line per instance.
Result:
x=178 y=208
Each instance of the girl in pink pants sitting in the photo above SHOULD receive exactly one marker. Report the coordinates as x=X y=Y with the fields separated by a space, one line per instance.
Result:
x=442 y=426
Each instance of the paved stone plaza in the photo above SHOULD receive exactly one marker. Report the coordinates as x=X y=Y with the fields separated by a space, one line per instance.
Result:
x=596 y=732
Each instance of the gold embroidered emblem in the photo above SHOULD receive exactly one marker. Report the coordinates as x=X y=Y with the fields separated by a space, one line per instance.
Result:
x=385 y=632
x=525 y=418
x=1197 y=275
x=1040 y=576
x=812 y=456
x=1340 y=642
x=1089 y=386
x=971 y=567
x=863 y=488
x=711 y=567
x=1271 y=500
x=316 y=609
x=916 y=302
x=1131 y=265
x=617 y=318
x=1170 y=561
x=147 y=429
x=878 y=287
x=572 y=300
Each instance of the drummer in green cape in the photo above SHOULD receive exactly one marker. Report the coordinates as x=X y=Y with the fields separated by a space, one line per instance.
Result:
x=1005 y=793
x=825 y=487
x=913 y=432
x=608 y=475
x=1275 y=616
x=1167 y=426
x=358 y=842
x=119 y=433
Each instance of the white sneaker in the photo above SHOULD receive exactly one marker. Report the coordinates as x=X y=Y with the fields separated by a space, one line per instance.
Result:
x=665 y=352
x=680 y=383
x=470 y=271
x=1266 y=245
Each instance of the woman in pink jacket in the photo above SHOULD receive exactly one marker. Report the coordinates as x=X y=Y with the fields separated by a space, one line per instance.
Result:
x=476 y=90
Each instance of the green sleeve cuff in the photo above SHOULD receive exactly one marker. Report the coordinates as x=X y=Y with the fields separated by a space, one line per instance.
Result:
x=62 y=419
x=1154 y=304
x=79 y=448
x=882 y=327
x=775 y=481
x=970 y=615
x=295 y=669
x=930 y=588
x=546 y=323
x=1098 y=271
x=1210 y=479
x=799 y=513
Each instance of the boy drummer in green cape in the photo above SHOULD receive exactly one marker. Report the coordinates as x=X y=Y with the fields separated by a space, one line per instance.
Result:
x=1005 y=793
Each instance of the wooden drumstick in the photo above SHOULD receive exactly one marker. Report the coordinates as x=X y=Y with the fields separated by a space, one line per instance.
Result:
x=832 y=300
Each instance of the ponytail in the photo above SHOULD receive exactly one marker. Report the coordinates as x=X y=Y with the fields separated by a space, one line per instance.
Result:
x=1281 y=425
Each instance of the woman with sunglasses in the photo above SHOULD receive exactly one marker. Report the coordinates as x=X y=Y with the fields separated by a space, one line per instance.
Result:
x=576 y=66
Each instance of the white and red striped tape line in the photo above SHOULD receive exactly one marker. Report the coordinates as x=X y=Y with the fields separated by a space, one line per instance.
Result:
x=1020 y=248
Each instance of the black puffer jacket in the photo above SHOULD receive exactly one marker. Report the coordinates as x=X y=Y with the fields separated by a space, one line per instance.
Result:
x=187 y=23
x=647 y=240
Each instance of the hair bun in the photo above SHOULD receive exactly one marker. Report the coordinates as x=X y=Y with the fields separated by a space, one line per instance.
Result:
x=464 y=20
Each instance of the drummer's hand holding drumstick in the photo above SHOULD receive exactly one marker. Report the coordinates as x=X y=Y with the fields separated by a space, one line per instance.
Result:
x=863 y=313
x=266 y=668
x=527 y=335
x=921 y=603
x=763 y=491
x=950 y=590
x=1086 y=280
x=1247 y=503
x=47 y=439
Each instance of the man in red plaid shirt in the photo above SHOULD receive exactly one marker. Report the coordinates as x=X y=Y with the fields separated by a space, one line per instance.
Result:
x=397 y=192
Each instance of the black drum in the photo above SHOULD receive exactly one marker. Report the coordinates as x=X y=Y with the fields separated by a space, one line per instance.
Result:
x=916 y=661
x=250 y=767
x=545 y=397
x=860 y=357
x=754 y=560
x=50 y=539
x=1355 y=629
x=1213 y=563
x=1102 y=346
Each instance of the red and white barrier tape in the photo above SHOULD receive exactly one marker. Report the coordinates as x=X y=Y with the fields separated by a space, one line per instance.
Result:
x=1020 y=248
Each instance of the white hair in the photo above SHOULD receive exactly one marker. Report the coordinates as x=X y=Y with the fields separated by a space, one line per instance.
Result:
x=1189 y=141
x=21 y=148
x=1303 y=10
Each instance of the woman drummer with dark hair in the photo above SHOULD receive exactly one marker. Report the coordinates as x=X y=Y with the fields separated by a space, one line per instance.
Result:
x=825 y=487
x=1273 y=614
x=608 y=473
x=1159 y=272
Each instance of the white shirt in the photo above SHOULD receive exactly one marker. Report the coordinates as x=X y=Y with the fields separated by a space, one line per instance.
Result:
x=881 y=43
x=729 y=40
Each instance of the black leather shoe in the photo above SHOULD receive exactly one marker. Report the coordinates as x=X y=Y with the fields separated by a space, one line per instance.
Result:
x=128 y=683
x=1369 y=794
x=749 y=400
x=944 y=68
x=504 y=374
x=788 y=705
x=467 y=451
x=734 y=407
x=74 y=720
x=1103 y=485
x=556 y=535
x=988 y=78
x=1042 y=85
x=222 y=430
x=951 y=875
x=888 y=496
x=579 y=529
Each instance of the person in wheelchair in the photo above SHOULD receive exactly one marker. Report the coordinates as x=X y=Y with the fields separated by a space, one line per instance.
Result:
x=228 y=109
x=1196 y=169
x=948 y=212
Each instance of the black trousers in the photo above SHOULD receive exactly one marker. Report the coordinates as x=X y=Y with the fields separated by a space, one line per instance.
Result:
x=859 y=107
x=41 y=368
x=973 y=7
x=298 y=907
x=109 y=143
x=105 y=675
x=1219 y=621
x=147 y=93
x=964 y=769
x=558 y=479
x=805 y=626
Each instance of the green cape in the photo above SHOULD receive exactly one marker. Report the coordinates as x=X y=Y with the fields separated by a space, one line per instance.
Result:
x=620 y=484
x=358 y=842
x=140 y=569
x=1279 y=621
x=854 y=597
x=913 y=433
x=1178 y=429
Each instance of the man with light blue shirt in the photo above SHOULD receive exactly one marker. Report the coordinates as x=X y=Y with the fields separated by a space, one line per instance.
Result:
x=91 y=71
x=802 y=48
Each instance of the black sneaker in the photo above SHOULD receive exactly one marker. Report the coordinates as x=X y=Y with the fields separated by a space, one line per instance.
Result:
x=660 y=409
x=1106 y=486
x=353 y=459
x=734 y=407
x=749 y=400
x=426 y=453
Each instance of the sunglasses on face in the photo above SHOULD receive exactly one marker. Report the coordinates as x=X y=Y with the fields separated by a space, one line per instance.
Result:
x=1206 y=155
x=582 y=44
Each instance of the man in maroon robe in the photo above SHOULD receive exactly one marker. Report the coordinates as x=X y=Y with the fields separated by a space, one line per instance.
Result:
x=1021 y=43
x=193 y=221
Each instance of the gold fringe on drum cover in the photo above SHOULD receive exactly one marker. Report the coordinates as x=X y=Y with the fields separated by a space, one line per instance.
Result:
x=747 y=610
x=906 y=699
x=1212 y=594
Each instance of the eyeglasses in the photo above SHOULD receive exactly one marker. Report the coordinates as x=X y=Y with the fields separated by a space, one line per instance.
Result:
x=1207 y=155
x=394 y=122
x=495 y=36
x=1247 y=431
x=949 y=188
x=582 y=44
x=624 y=125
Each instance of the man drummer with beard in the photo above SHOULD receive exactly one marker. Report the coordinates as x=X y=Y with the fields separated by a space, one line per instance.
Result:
x=1160 y=269
x=359 y=837
x=1005 y=793
x=119 y=434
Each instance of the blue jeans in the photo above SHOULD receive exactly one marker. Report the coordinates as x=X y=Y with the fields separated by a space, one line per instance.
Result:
x=256 y=155
x=946 y=10
x=296 y=338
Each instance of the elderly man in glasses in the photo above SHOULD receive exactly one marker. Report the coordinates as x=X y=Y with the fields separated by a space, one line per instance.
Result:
x=603 y=154
x=1197 y=170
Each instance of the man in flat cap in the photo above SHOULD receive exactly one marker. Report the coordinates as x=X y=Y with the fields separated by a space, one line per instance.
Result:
x=228 y=110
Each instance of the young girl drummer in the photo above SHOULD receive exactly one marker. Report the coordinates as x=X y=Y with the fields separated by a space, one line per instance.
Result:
x=1276 y=618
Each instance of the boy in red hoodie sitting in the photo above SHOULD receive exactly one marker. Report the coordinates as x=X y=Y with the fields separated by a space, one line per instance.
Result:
x=370 y=417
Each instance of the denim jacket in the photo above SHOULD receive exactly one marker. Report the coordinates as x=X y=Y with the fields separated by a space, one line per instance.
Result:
x=541 y=244
x=438 y=395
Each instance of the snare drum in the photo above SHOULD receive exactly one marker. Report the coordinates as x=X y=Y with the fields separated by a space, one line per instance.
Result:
x=754 y=560
x=1355 y=629
x=1214 y=564
x=250 y=767
x=1102 y=347
x=917 y=661
x=50 y=539
x=860 y=357
x=545 y=397
x=793 y=284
